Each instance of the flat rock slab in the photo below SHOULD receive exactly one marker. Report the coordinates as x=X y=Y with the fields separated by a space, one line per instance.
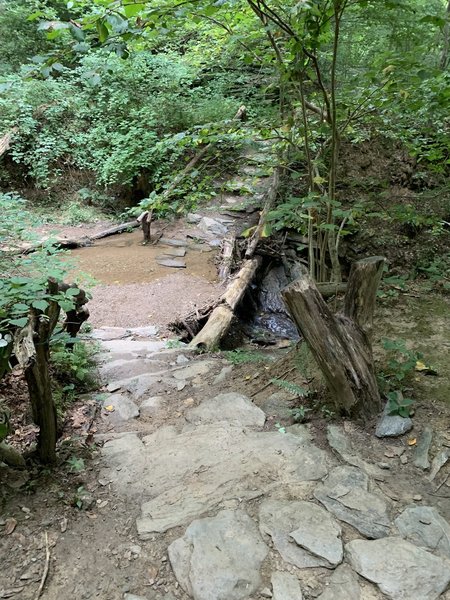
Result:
x=119 y=408
x=285 y=586
x=401 y=570
x=171 y=242
x=392 y=425
x=109 y=333
x=137 y=347
x=232 y=407
x=176 y=263
x=122 y=369
x=315 y=532
x=178 y=251
x=424 y=526
x=146 y=331
x=343 y=585
x=194 y=369
x=219 y=557
x=345 y=494
x=186 y=474
x=151 y=406
x=342 y=445
x=212 y=226
x=136 y=386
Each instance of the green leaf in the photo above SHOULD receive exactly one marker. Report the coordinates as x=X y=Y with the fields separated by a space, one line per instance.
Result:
x=72 y=292
x=19 y=322
x=40 y=305
x=76 y=32
x=133 y=9
x=103 y=31
x=20 y=308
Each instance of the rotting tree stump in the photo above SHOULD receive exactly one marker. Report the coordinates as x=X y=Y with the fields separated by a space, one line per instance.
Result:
x=341 y=343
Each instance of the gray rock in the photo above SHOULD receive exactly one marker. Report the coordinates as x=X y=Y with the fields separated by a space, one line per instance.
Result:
x=124 y=409
x=219 y=557
x=136 y=347
x=177 y=251
x=212 y=226
x=215 y=243
x=285 y=586
x=151 y=406
x=193 y=370
x=423 y=446
x=277 y=405
x=401 y=570
x=342 y=445
x=171 y=242
x=439 y=461
x=199 y=469
x=137 y=386
x=301 y=431
x=133 y=597
x=193 y=218
x=316 y=533
x=232 y=407
x=147 y=331
x=165 y=261
x=121 y=369
x=392 y=425
x=343 y=585
x=424 y=526
x=223 y=375
x=182 y=359
x=109 y=333
x=345 y=493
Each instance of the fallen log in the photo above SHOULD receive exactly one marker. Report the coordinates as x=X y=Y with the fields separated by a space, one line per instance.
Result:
x=341 y=343
x=227 y=258
x=5 y=141
x=221 y=316
x=270 y=198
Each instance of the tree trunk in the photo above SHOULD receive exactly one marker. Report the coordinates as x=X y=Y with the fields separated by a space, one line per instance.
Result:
x=341 y=344
x=226 y=263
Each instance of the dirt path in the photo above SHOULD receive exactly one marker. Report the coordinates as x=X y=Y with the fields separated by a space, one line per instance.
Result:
x=197 y=484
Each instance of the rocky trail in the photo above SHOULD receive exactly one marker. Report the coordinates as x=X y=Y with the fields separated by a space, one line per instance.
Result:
x=197 y=491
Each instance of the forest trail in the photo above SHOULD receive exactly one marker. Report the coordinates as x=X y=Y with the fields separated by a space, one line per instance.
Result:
x=205 y=499
x=197 y=491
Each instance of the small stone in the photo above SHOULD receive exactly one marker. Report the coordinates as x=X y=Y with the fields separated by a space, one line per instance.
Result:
x=285 y=586
x=119 y=408
x=265 y=593
x=345 y=494
x=176 y=263
x=401 y=570
x=181 y=385
x=182 y=359
x=343 y=585
x=403 y=459
x=424 y=526
x=438 y=462
x=392 y=425
x=219 y=557
x=421 y=451
x=384 y=466
x=417 y=497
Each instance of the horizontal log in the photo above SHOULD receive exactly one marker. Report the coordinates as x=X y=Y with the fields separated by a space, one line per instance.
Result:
x=218 y=324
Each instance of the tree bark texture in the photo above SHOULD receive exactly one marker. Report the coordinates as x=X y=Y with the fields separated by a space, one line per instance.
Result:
x=221 y=317
x=340 y=343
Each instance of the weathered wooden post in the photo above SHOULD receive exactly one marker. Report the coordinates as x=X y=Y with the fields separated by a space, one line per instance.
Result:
x=341 y=344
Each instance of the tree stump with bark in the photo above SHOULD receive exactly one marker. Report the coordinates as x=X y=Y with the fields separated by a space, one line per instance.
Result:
x=341 y=344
